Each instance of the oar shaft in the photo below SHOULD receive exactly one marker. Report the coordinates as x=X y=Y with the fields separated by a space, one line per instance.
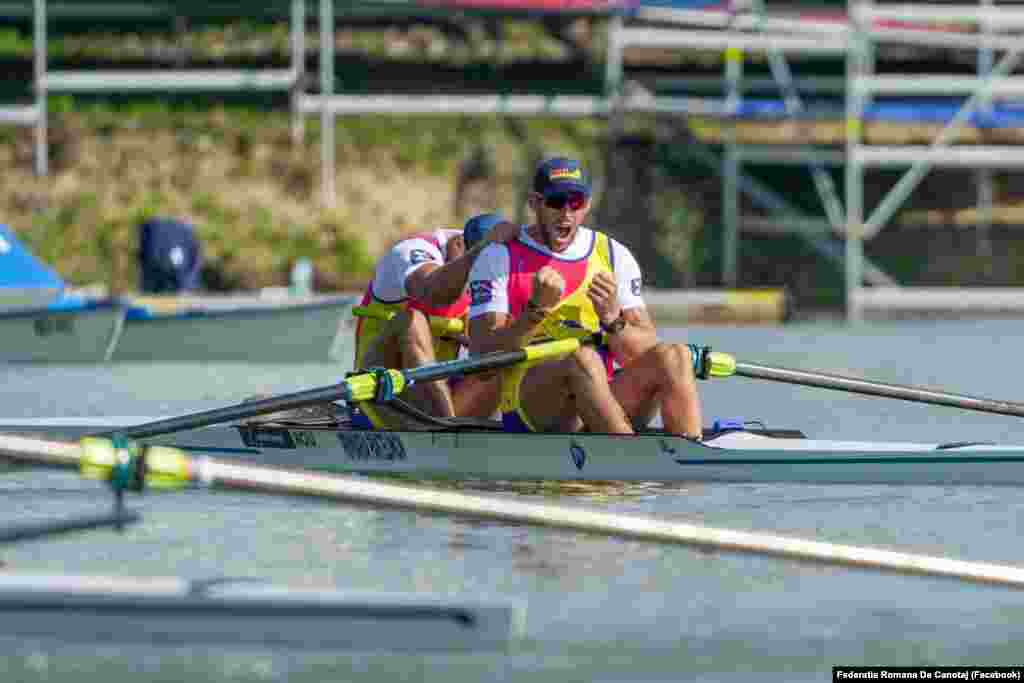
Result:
x=870 y=388
x=242 y=411
x=378 y=494
x=344 y=390
x=492 y=361
x=28 y=532
x=22 y=449
x=173 y=467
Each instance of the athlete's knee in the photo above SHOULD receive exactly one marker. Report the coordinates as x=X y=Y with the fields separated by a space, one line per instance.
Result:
x=672 y=358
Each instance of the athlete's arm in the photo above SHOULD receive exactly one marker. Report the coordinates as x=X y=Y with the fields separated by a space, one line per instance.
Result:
x=443 y=285
x=491 y=326
x=501 y=332
x=620 y=295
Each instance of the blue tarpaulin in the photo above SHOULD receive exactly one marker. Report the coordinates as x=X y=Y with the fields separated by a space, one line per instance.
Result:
x=917 y=110
x=19 y=269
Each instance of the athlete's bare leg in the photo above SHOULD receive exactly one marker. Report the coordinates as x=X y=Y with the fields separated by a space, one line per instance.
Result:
x=477 y=395
x=662 y=378
x=407 y=342
x=570 y=393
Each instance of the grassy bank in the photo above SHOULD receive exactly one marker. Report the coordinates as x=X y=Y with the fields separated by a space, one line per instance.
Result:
x=230 y=165
x=234 y=170
x=251 y=191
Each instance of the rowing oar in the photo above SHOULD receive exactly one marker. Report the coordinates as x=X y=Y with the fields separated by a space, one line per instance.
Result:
x=438 y=325
x=724 y=365
x=136 y=467
x=358 y=387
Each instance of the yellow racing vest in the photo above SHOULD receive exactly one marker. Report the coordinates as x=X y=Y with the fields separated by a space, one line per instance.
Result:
x=574 y=316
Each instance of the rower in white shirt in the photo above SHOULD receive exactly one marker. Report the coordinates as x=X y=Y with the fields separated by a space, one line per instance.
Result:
x=413 y=313
x=558 y=279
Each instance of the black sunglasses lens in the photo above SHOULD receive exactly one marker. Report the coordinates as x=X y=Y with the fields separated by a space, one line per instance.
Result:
x=575 y=201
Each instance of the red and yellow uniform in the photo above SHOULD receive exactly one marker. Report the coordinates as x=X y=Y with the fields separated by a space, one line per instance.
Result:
x=375 y=311
x=574 y=316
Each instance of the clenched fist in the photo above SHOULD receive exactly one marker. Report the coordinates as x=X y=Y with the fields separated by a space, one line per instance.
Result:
x=548 y=285
x=604 y=293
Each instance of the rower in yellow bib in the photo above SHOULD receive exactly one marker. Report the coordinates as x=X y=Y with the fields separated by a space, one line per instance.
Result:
x=413 y=313
x=559 y=278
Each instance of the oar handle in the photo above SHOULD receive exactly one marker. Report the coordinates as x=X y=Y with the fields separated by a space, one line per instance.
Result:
x=438 y=325
x=724 y=365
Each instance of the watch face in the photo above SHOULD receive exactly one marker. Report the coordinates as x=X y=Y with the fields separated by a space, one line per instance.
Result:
x=615 y=326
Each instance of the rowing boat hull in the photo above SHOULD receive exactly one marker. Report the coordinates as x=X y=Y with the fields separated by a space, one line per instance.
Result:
x=75 y=335
x=286 y=333
x=736 y=457
x=729 y=457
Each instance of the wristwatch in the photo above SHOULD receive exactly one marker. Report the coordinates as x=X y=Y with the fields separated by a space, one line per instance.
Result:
x=615 y=326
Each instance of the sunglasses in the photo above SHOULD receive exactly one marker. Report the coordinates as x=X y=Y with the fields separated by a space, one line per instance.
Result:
x=574 y=200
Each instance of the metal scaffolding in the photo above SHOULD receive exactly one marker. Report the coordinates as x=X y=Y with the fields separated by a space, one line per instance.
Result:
x=34 y=115
x=993 y=79
x=734 y=34
x=161 y=80
x=729 y=33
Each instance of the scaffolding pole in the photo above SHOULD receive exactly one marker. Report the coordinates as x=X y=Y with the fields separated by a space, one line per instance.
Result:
x=720 y=40
x=190 y=80
x=327 y=131
x=856 y=65
x=1011 y=86
x=1000 y=18
x=731 y=171
x=983 y=176
x=298 y=47
x=42 y=154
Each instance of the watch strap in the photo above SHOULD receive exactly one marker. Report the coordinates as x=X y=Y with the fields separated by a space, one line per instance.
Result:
x=615 y=326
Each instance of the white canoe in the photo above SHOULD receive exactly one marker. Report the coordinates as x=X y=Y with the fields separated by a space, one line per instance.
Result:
x=268 y=333
x=86 y=334
x=731 y=456
x=245 y=613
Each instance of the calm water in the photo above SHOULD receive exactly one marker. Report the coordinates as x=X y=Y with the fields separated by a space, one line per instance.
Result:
x=597 y=609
